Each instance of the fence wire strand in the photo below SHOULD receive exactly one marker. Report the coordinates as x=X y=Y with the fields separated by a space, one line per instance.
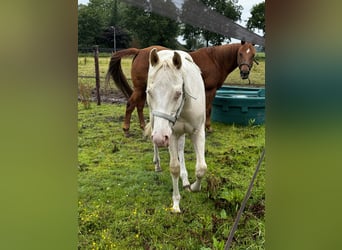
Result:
x=195 y=13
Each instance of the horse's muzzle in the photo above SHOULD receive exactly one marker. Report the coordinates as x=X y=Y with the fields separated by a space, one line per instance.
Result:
x=161 y=140
x=244 y=74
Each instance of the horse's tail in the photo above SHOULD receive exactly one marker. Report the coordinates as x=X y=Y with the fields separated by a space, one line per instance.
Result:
x=115 y=71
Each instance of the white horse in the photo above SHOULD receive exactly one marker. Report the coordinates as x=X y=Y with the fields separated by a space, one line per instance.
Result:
x=176 y=100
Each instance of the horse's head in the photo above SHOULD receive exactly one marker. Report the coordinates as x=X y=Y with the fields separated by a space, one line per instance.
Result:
x=165 y=93
x=245 y=58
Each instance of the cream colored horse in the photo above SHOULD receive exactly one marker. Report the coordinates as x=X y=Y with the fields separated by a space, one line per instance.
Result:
x=176 y=100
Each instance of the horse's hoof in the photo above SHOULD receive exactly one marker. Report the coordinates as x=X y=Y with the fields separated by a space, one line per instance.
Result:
x=209 y=130
x=175 y=210
x=158 y=170
x=195 y=187
x=126 y=132
x=187 y=188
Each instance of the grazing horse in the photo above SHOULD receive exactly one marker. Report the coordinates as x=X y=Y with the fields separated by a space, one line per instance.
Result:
x=176 y=99
x=215 y=63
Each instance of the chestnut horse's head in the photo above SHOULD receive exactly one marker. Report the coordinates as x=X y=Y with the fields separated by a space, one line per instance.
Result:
x=245 y=58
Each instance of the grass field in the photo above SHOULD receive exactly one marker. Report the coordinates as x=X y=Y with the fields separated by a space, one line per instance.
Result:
x=124 y=204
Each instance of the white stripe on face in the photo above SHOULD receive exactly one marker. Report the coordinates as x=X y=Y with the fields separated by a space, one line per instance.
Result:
x=248 y=50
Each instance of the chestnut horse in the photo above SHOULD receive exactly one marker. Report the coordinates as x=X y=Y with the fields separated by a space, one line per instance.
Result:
x=215 y=63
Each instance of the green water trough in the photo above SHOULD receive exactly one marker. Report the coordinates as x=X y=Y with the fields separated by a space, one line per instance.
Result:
x=239 y=105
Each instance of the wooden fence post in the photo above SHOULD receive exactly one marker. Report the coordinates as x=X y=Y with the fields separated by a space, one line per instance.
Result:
x=97 y=73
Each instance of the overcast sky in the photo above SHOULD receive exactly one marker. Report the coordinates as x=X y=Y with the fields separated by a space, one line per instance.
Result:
x=246 y=4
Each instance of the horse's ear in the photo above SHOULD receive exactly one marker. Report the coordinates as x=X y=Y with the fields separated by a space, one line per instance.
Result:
x=243 y=42
x=154 y=59
x=177 y=61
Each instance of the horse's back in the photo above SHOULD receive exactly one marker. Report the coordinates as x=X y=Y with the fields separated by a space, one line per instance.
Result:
x=209 y=68
x=215 y=63
x=141 y=59
x=140 y=66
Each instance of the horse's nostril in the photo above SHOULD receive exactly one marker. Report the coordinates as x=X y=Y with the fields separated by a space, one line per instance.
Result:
x=161 y=140
x=244 y=74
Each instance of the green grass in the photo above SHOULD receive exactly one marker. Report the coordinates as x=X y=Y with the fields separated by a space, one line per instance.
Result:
x=124 y=204
x=86 y=65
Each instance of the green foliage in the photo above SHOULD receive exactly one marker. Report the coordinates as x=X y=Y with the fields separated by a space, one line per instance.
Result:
x=124 y=204
x=95 y=21
x=122 y=37
x=257 y=20
x=226 y=8
x=145 y=28
x=194 y=36
x=89 y=25
x=150 y=28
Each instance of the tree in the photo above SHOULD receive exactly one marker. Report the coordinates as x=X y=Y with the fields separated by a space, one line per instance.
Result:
x=149 y=28
x=89 y=25
x=95 y=22
x=228 y=8
x=192 y=37
x=122 y=37
x=257 y=20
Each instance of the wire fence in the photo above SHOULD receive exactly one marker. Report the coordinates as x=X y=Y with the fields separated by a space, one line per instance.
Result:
x=195 y=13
x=88 y=50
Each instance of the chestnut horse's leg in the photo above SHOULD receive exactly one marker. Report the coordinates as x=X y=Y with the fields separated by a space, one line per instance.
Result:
x=198 y=139
x=129 y=109
x=174 y=170
x=137 y=99
x=209 y=96
x=140 y=108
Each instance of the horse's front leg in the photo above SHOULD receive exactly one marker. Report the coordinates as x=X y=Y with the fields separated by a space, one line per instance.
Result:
x=198 y=140
x=183 y=171
x=174 y=170
x=156 y=158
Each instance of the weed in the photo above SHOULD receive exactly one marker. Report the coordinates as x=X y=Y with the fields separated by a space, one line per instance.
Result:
x=84 y=91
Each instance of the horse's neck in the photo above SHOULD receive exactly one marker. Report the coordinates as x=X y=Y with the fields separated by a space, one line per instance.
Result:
x=192 y=81
x=193 y=84
x=226 y=56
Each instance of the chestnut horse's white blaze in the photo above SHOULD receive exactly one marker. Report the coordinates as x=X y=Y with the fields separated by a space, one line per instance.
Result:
x=176 y=99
